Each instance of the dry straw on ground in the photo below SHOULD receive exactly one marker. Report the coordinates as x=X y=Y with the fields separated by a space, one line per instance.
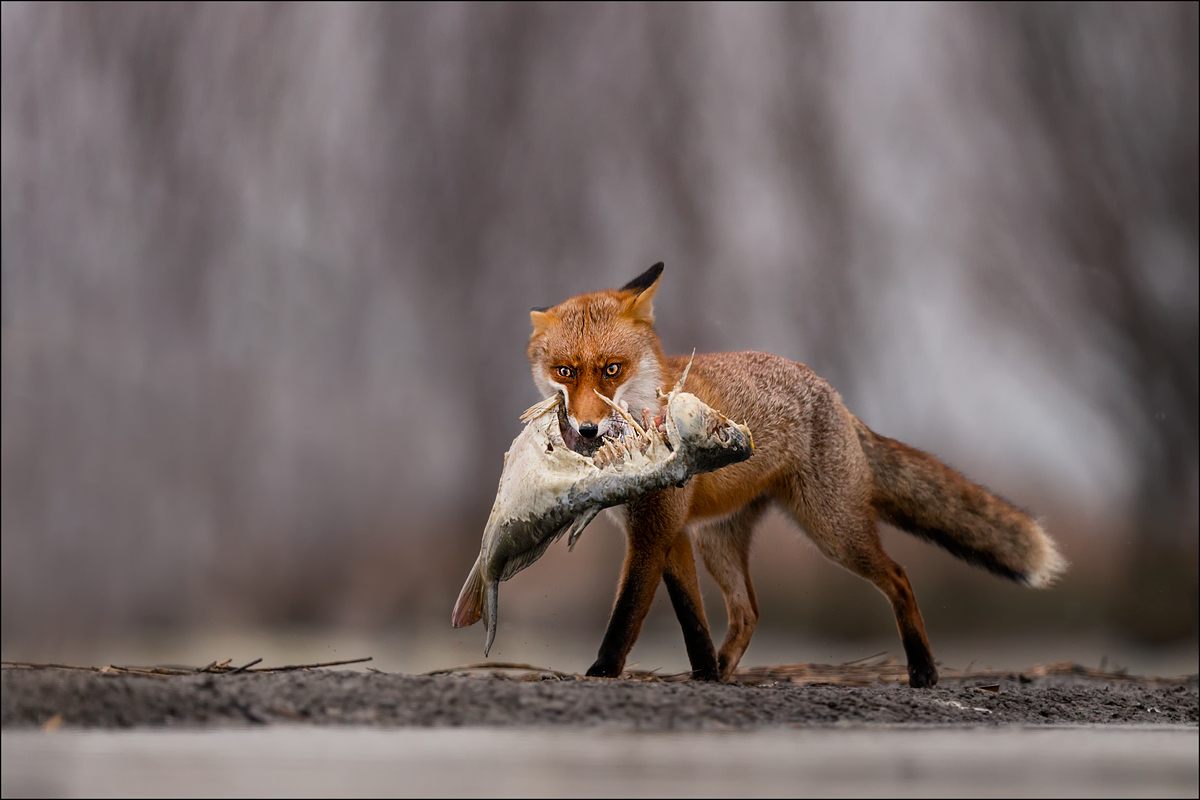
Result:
x=216 y=667
x=880 y=668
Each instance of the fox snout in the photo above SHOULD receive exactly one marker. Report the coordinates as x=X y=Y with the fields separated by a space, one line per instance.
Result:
x=591 y=425
x=583 y=436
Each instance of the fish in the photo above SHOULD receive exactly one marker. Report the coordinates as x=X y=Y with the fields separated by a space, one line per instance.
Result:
x=548 y=490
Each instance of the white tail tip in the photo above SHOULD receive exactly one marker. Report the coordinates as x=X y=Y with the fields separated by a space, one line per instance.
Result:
x=1051 y=565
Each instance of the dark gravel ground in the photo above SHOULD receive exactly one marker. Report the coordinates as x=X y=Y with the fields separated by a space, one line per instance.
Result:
x=40 y=697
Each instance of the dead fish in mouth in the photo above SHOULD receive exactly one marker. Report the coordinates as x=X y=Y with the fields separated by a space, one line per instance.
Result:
x=548 y=490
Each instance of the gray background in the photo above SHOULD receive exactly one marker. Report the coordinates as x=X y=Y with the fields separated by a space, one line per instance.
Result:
x=266 y=273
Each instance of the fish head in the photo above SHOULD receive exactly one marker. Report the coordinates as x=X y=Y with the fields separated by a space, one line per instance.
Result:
x=711 y=439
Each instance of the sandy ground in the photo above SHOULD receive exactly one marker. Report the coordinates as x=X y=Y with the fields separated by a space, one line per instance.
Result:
x=73 y=698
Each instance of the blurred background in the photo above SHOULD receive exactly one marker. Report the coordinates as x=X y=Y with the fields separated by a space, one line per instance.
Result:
x=267 y=272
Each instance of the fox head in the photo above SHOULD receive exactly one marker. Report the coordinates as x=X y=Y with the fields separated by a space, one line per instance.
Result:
x=600 y=342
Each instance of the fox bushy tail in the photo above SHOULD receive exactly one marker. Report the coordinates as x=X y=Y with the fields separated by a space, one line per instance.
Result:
x=919 y=494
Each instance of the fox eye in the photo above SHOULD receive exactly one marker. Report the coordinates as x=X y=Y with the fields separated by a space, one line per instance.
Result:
x=566 y=372
x=612 y=370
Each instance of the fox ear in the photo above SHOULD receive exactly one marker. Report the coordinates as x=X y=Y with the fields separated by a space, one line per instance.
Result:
x=541 y=319
x=645 y=280
x=640 y=306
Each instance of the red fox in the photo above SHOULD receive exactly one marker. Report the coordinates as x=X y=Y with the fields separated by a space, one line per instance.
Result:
x=814 y=459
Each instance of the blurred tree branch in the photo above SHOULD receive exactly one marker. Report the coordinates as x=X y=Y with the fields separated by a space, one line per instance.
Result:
x=1115 y=94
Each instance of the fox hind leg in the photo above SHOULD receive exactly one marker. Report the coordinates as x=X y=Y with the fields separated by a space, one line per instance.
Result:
x=725 y=548
x=890 y=578
x=845 y=532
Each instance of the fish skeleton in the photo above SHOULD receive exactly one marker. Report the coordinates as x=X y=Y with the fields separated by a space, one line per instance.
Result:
x=548 y=490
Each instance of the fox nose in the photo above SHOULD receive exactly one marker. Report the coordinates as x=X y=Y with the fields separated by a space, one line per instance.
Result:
x=588 y=430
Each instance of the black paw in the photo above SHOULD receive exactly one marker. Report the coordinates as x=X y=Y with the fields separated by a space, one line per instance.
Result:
x=922 y=676
x=712 y=674
x=603 y=669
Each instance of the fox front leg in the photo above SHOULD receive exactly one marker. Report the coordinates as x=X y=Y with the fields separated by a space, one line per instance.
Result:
x=657 y=548
x=642 y=571
x=683 y=586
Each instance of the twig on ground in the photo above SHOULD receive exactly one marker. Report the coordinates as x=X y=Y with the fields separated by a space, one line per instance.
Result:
x=866 y=659
x=35 y=665
x=292 y=667
x=244 y=667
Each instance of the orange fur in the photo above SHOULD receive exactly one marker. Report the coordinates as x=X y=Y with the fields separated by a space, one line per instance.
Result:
x=812 y=458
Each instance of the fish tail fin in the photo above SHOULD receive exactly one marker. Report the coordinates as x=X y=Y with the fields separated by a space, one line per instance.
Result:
x=469 y=608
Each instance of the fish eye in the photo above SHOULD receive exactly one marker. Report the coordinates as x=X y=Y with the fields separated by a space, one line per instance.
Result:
x=566 y=372
x=612 y=370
